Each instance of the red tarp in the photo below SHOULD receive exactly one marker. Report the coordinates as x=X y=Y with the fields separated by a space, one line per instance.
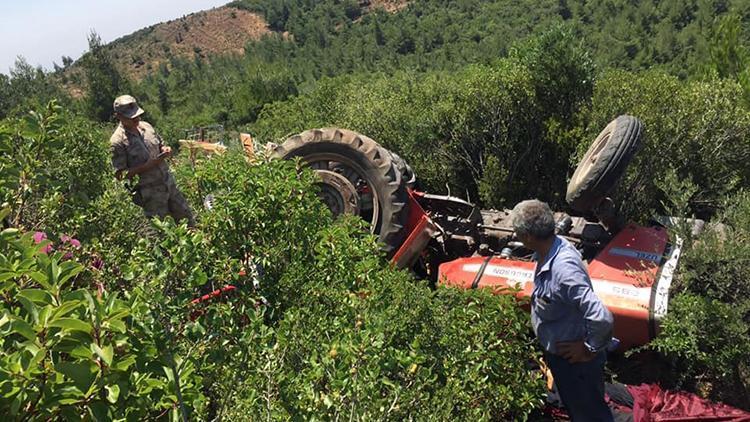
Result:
x=652 y=404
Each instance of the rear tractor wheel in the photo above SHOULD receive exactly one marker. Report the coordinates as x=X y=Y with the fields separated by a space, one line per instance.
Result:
x=358 y=177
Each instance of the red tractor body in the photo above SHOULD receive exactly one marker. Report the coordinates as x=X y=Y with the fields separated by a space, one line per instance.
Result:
x=631 y=273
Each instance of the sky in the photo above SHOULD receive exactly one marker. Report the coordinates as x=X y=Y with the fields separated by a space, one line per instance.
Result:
x=43 y=31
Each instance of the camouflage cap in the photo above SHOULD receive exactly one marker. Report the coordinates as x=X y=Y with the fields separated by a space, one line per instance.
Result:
x=127 y=107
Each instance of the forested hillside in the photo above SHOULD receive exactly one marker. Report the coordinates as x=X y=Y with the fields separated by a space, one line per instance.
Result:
x=493 y=101
x=632 y=35
x=694 y=40
x=691 y=40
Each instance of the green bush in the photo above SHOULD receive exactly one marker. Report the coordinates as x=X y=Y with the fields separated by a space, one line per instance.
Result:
x=110 y=229
x=265 y=214
x=344 y=334
x=706 y=335
x=699 y=130
x=54 y=164
x=70 y=352
x=365 y=341
x=214 y=340
x=705 y=342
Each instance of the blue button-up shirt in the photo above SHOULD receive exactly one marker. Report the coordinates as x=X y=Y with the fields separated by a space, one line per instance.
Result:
x=564 y=306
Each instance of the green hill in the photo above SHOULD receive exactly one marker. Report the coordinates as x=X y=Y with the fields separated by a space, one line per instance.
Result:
x=331 y=38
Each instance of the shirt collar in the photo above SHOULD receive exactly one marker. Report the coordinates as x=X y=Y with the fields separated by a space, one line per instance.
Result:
x=127 y=132
x=556 y=246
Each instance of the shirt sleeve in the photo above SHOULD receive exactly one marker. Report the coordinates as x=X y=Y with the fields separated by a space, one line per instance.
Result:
x=119 y=156
x=576 y=289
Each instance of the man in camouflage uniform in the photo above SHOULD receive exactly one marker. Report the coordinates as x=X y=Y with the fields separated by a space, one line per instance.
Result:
x=138 y=151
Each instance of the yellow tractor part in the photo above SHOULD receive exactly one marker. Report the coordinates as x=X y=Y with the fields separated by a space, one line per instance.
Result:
x=204 y=148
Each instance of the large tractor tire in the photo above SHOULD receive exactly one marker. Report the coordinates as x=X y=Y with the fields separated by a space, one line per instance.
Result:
x=604 y=163
x=408 y=177
x=358 y=176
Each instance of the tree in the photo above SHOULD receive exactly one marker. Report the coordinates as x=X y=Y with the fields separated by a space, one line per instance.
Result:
x=27 y=87
x=164 y=103
x=4 y=95
x=26 y=80
x=103 y=80
x=730 y=57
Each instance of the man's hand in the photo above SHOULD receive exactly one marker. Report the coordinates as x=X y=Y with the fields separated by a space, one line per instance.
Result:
x=166 y=152
x=574 y=351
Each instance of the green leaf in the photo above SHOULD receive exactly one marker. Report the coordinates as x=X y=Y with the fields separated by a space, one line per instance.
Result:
x=39 y=355
x=16 y=404
x=65 y=395
x=30 y=308
x=69 y=269
x=105 y=354
x=67 y=401
x=79 y=295
x=113 y=392
x=53 y=274
x=10 y=232
x=124 y=363
x=81 y=351
x=99 y=411
x=169 y=373
x=119 y=314
x=199 y=278
x=23 y=328
x=115 y=325
x=81 y=373
x=42 y=279
x=44 y=314
x=32 y=127
x=37 y=296
x=7 y=275
x=65 y=308
x=72 y=324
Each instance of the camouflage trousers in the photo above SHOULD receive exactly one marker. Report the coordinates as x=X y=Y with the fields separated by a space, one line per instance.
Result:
x=162 y=200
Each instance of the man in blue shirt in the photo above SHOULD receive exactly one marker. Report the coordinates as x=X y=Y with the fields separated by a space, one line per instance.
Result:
x=572 y=324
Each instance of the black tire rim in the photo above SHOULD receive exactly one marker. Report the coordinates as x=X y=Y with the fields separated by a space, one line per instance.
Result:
x=338 y=193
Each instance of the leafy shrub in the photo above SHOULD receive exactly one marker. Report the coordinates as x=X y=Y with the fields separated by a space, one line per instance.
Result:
x=69 y=352
x=53 y=165
x=365 y=341
x=111 y=227
x=561 y=68
x=705 y=342
x=215 y=339
x=266 y=214
x=706 y=335
x=697 y=129
x=344 y=334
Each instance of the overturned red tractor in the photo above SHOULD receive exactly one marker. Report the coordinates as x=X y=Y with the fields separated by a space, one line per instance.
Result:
x=451 y=241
